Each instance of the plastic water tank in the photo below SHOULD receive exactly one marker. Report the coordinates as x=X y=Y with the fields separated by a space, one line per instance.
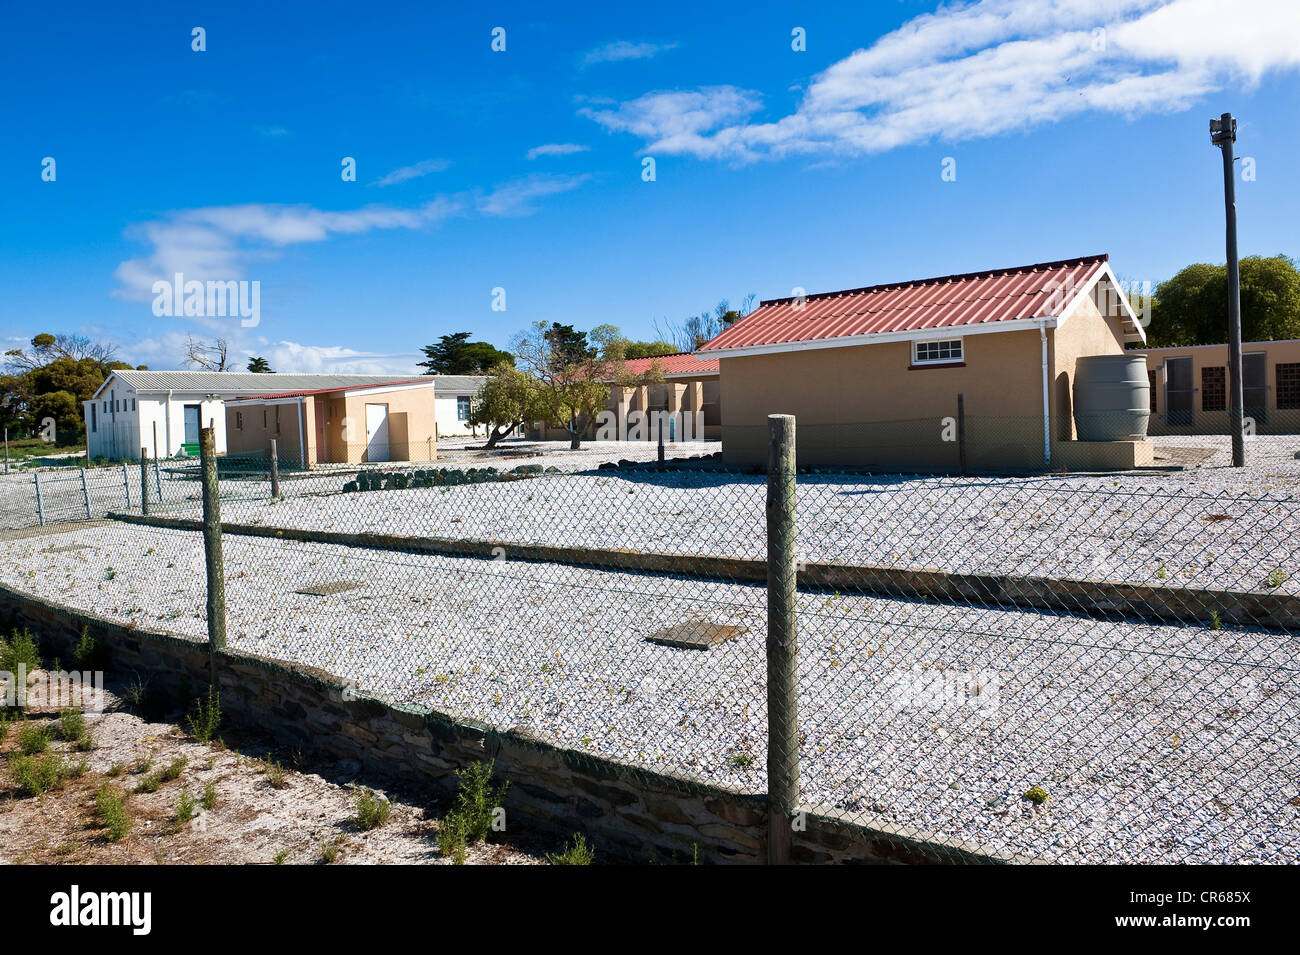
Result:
x=1112 y=397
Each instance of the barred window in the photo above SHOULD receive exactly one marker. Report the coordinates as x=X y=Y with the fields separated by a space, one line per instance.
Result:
x=938 y=352
x=1288 y=385
x=1214 y=388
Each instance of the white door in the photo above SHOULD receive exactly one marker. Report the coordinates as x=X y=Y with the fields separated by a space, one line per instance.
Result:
x=376 y=432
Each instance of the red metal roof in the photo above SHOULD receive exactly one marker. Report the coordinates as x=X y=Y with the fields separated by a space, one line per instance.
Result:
x=683 y=363
x=974 y=298
x=425 y=380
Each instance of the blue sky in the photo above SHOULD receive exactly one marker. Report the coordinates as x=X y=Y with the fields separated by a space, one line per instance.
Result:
x=1076 y=127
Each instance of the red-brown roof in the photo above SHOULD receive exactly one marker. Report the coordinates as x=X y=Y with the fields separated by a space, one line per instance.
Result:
x=423 y=380
x=683 y=363
x=973 y=298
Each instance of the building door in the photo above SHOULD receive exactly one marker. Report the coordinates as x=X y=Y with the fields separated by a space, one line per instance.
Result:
x=376 y=432
x=1178 y=392
x=1254 y=386
x=193 y=416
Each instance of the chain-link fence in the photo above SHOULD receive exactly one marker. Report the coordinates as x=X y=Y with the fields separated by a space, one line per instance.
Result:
x=1077 y=667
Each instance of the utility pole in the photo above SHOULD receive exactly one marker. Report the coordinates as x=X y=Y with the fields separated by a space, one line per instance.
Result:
x=1223 y=133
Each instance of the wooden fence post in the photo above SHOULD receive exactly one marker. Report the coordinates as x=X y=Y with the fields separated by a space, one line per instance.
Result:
x=782 y=640
x=212 y=549
x=961 y=432
x=144 y=483
x=275 y=472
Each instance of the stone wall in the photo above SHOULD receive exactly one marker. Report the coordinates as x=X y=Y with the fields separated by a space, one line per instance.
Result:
x=628 y=813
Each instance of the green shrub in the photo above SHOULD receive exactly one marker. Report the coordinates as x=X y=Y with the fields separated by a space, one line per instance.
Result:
x=275 y=774
x=206 y=717
x=1037 y=795
x=209 y=795
x=153 y=782
x=88 y=654
x=330 y=850
x=72 y=725
x=20 y=650
x=110 y=805
x=33 y=738
x=186 y=809
x=577 y=852
x=372 y=810
x=476 y=805
x=36 y=775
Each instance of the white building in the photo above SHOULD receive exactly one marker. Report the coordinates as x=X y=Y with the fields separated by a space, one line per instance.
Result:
x=131 y=408
x=452 y=397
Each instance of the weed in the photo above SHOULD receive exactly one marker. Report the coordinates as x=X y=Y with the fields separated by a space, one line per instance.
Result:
x=477 y=804
x=206 y=717
x=88 y=654
x=209 y=799
x=110 y=804
x=577 y=852
x=1215 y=622
x=153 y=782
x=142 y=765
x=37 y=775
x=110 y=573
x=33 y=738
x=20 y=650
x=186 y=809
x=72 y=725
x=330 y=850
x=1278 y=577
x=372 y=810
x=136 y=692
x=117 y=769
x=279 y=857
x=1037 y=795
x=1161 y=572
x=275 y=774
x=741 y=760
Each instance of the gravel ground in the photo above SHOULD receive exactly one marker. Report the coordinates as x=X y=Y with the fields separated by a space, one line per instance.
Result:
x=252 y=821
x=1210 y=526
x=1154 y=743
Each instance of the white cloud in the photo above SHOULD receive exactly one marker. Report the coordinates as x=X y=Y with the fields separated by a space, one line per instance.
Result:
x=556 y=149
x=621 y=50
x=168 y=351
x=219 y=242
x=979 y=69
x=414 y=171
x=516 y=198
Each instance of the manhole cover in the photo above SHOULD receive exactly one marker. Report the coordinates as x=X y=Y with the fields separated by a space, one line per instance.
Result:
x=324 y=590
x=695 y=635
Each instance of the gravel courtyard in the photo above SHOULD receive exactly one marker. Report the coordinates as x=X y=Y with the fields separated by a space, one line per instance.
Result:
x=1154 y=743
x=1209 y=526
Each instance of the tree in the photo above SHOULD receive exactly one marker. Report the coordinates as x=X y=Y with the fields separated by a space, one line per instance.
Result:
x=65 y=410
x=572 y=373
x=209 y=356
x=46 y=348
x=259 y=366
x=508 y=398
x=457 y=355
x=1192 y=307
x=694 y=331
x=649 y=349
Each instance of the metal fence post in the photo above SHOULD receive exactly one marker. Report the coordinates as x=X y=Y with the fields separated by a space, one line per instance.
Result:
x=40 y=506
x=144 y=482
x=275 y=472
x=85 y=492
x=126 y=484
x=782 y=640
x=212 y=549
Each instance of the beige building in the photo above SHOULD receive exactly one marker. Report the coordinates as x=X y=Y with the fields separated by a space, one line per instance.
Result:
x=689 y=395
x=1189 y=387
x=392 y=421
x=873 y=375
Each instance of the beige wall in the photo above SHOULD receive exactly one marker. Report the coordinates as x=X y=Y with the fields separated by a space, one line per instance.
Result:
x=251 y=426
x=411 y=423
x=867 y=406
x=1277 y=420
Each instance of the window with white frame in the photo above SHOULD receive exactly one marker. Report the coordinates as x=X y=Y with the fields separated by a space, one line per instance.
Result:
x=946 y=351
x=462 y=407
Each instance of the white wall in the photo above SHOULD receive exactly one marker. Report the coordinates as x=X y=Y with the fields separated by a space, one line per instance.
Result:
x=124 y=433
x=445 y=411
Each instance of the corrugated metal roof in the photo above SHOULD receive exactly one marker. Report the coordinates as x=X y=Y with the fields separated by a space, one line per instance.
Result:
x=682 y=363
x=950 y=301
x=240 y=382
x=459 y=384
x=425 y=380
